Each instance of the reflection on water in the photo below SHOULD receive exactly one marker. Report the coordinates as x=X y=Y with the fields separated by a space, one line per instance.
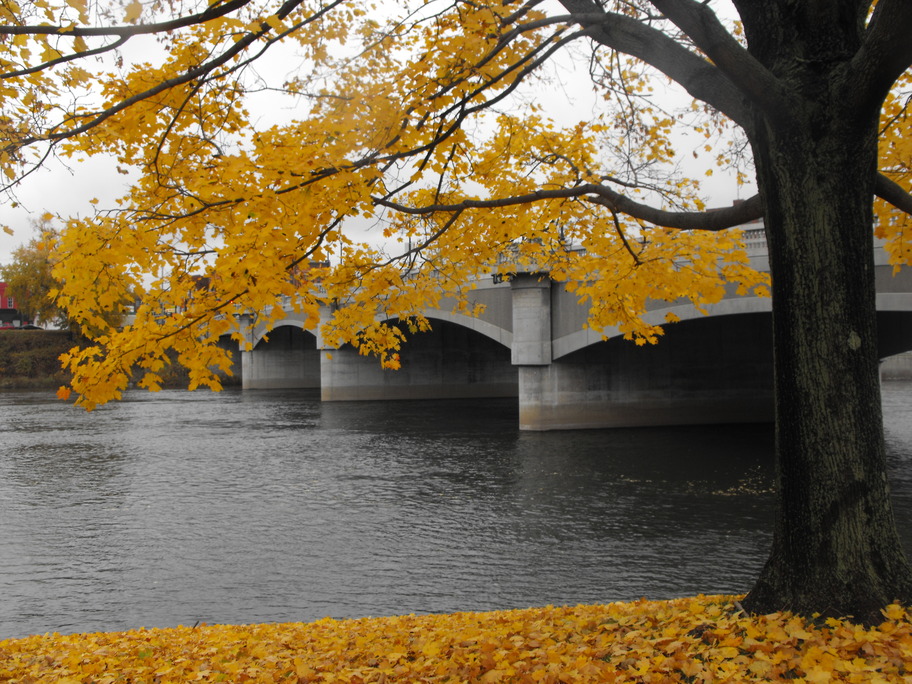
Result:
x=270 y=506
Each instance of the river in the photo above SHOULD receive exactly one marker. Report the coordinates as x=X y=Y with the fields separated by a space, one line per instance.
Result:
x=265 y=506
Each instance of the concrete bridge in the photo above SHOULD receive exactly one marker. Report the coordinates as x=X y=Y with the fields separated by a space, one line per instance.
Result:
x=530 y=343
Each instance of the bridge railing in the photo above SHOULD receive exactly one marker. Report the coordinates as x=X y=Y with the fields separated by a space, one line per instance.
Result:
x=754 y=239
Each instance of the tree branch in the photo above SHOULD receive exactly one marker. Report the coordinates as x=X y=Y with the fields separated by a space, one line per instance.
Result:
x=187 y=77
x=893 y=193
x=213 y=12
x=886 y=51
x=63 y=59
x=700 y=23
x=713 y=219
x=703 y=80
x=620 y=233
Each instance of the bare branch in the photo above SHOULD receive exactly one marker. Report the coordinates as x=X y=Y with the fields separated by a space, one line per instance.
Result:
x=714 y=219
x=703 y=80
x=620 y=233
x=893 y=193
x=213 y=12
x=886 y=51
x=702 y=26
x=419 y=248
x=189 y=76
x=64 y=59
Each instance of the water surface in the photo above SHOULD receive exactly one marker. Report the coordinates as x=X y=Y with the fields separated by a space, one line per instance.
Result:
x=177 y=508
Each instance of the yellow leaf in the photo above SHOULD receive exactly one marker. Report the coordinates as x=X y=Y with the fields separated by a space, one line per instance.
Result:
x=132 y=12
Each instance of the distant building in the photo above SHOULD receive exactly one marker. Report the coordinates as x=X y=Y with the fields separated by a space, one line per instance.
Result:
x=9 y=313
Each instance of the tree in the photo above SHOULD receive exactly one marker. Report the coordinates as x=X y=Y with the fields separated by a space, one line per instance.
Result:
x=31 y=281
x=29 y=278
x=420 y=118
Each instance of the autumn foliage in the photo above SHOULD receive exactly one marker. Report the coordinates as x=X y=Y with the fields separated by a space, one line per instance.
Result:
x=414 y=150
x=896 y=160
x=702 y=639
x=415 y=153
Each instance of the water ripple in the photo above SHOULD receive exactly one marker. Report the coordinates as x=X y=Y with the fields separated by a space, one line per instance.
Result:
x=182 y=507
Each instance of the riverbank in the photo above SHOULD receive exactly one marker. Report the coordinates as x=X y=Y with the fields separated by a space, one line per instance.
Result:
x=30 y=360
x=702 y=639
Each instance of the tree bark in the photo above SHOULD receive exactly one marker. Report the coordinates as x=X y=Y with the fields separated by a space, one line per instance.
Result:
x=835 y=550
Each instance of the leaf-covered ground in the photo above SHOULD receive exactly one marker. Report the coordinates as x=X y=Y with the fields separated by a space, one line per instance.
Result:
x=702 y=639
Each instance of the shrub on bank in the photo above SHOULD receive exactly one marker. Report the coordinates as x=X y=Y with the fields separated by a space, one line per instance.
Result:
x=30 y=359
x=702 y=639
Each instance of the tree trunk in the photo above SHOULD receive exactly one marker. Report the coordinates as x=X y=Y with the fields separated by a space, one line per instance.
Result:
x=836 y=550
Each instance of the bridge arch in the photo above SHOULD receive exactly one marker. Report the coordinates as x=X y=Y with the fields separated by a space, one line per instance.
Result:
x=706 y=369
x=292 y=319
x=286 y=357
x=580 y=339
x=452 y=360
x=894 y=314
x=489 y=330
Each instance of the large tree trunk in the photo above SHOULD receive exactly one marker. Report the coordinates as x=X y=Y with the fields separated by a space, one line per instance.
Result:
x=835 y=549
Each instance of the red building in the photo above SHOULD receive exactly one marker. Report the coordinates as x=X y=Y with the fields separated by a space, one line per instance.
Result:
x=9 y=314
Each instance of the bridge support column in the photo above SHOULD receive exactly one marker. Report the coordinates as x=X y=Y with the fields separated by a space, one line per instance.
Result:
x=532 y=348
x=345 y=374
x=245 y=325
x=531 y=319
x=337 y=366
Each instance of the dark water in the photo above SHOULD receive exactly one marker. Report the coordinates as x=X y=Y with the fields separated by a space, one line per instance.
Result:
x=270 y=506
